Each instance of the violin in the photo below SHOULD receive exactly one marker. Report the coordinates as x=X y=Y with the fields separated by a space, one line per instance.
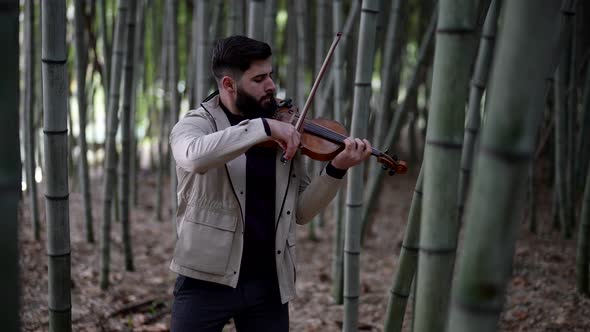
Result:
x=323 y=139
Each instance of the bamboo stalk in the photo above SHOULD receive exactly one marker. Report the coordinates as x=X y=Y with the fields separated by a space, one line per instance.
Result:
x=338 y=207
x=111 y=154
x=105 y=44
x=236 y=18
x=354 y=195
x=515 y=105
x=390 y=70
x=203 y=44
x=55 y=127
x=376 y=178
x=173 y=92
x=29 y=116
x=584 y=139
x=564 y=114
x=10 y=167
x=270 y=24
x=255 y=25
x=407 y=263
x=138 y=81
x=126 y=130
x=347 y=30
x=583 y=247
x=483 y=64
x=81 y=66
x=164 y=75
x=455 y=50
x=532 y=211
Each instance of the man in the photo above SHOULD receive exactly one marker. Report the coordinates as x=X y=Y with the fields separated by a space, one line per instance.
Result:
x=238 y=202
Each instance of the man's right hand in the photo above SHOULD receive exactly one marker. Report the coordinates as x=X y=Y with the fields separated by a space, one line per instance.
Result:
x=286 y=136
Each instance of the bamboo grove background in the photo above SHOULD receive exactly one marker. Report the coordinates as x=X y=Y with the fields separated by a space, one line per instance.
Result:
x=496 y=90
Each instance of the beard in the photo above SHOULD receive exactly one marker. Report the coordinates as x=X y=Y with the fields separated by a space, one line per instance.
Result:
x=252 y=108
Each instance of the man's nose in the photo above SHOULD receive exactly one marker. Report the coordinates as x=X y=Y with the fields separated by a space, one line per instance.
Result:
x=270 y=85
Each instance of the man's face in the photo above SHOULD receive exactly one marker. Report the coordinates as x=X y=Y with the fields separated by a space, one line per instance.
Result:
x=256 y=89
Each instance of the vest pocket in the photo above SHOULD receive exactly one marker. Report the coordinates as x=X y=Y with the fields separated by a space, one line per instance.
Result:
x=206 y=239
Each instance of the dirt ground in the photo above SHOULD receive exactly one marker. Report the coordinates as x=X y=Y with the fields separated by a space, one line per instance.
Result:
x=541 y=295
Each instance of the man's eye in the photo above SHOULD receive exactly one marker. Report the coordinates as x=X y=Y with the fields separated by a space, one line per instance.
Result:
x=258 y=79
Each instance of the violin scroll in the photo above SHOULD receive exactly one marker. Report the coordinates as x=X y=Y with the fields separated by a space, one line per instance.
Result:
x=392 y=164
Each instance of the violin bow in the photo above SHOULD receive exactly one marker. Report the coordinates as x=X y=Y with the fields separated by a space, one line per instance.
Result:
x=316 y=83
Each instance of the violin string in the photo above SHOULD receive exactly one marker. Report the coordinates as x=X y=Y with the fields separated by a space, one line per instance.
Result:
x=328 y=133
x=332 y=135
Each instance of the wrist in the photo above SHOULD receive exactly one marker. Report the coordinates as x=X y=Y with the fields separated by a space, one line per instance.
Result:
x=334 y=171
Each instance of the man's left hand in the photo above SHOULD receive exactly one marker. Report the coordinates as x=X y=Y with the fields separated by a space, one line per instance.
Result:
x=355 y=151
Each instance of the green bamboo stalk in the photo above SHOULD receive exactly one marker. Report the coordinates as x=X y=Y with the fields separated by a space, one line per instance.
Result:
x=290 y=38
x=301 y=52
x=111 y=154
x=172 y=46
x=81 y=66
x=349 y=24
x=338 y=207
x=455 y=49
x=564 y=114
x=126 y=129
x=582 y=256
x=236 y=18
x=106 y=44
x=407 y=263
x=202 y=42
x=216 y=30
x=10 y=167
x=270 y=24
x=572 y=118
x=29 y=116
x=164 y=74
x=532 y=212
x=526 y=44
x=390 y=79
x=376 y=178
x=255 y=24
x=483 y=64
x=138 y=81
x=560 y=153
x=354 y=195
x=55 y=127
x=584 y=139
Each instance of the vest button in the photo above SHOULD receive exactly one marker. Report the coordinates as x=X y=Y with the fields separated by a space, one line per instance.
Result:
x=278 y=252
x=288 y=212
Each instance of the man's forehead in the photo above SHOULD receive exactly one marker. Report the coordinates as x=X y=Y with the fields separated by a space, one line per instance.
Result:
x=259 y=67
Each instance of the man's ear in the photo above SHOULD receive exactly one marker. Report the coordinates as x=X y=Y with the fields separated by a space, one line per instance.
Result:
x=228 y=84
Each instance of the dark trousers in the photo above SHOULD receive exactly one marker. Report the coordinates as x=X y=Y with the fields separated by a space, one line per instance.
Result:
x=201 y=306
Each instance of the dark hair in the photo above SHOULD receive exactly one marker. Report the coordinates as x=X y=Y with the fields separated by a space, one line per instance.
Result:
x=234 y=55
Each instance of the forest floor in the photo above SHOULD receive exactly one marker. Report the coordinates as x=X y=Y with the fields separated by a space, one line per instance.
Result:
x=541 y=295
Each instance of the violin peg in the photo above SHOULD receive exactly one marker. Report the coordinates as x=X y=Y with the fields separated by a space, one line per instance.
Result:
x=384 y=167
x=391 y=172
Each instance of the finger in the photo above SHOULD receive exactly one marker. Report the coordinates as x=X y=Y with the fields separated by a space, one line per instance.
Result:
x=348 y=144
x=292 y=146
x=360 y=145
x=281 y=145
x=368 y=147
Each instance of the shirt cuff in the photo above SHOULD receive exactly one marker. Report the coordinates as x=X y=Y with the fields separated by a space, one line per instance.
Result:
x=334 y=172
x=266 y=126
